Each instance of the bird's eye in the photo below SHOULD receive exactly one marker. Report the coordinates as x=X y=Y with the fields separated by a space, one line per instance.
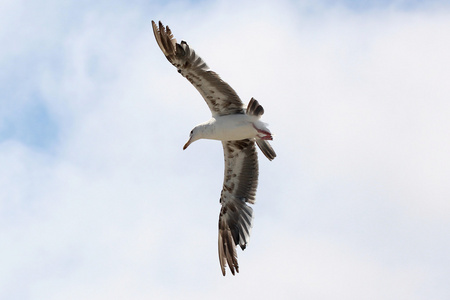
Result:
x=192 y=132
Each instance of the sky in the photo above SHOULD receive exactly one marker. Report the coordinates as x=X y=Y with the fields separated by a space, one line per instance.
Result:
x=99 y=201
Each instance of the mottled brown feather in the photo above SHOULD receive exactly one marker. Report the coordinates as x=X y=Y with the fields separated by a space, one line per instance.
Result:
x=219 y=96
x=239 y=188
x=241 y=161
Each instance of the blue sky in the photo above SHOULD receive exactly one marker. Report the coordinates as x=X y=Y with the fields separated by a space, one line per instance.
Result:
x=98 y=200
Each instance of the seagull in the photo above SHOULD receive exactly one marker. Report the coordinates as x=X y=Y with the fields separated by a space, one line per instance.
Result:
x=238 y=128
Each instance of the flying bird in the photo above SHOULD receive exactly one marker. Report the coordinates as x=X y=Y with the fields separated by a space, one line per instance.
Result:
x=238 y=127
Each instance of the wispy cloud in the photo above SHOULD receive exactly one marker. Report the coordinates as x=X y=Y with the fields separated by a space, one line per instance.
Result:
x=98 y=200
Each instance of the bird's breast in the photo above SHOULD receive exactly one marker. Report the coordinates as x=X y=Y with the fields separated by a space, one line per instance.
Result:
x=233 y=127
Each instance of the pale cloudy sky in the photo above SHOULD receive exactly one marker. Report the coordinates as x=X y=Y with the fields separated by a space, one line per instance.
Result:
x=98 y=200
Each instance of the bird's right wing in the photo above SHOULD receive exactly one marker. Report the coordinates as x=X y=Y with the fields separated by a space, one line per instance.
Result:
x=220 y=97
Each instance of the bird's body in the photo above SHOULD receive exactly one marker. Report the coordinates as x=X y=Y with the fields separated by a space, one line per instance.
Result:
x=238 y=127
x=231 y=127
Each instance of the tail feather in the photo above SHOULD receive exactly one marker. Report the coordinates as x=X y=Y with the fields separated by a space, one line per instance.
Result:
x=254 y=108
x=266 y=149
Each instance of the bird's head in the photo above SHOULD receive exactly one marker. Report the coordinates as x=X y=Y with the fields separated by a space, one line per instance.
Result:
x=193 y=136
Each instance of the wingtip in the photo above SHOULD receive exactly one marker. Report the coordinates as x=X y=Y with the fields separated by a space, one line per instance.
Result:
x=227 y=252
x=155 y=28
x=164 y=38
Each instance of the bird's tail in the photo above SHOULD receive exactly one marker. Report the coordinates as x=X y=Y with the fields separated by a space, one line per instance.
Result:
x=256 y=109
x=266 y=149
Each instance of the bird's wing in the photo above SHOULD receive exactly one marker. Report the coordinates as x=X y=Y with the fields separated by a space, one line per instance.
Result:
x=239 y=187
x=220 y=97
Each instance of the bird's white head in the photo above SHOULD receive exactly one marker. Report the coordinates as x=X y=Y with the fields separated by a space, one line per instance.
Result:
x=193 y=136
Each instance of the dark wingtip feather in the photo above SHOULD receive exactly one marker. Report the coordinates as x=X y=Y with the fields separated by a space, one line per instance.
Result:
x=227 y=251
x=164 y=38
x=235 y=222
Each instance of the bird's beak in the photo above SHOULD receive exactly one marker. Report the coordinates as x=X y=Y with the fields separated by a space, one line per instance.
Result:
x=187 y=144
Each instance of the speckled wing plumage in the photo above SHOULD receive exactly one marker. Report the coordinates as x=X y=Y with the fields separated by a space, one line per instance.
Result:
x=220 y=97
x=241 y=161
x=239 y=188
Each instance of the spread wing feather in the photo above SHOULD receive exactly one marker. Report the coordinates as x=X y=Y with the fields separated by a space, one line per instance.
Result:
x=220 y=97
x=239 y=188
x=241 y=161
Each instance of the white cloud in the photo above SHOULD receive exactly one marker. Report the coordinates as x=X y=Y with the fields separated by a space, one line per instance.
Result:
x=354 y=206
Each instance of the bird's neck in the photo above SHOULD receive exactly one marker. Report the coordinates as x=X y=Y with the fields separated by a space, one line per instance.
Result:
x=207 y=129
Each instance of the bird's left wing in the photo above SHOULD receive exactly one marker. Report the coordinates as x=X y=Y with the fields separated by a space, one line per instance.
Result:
x=220 y=97
x=239 y=188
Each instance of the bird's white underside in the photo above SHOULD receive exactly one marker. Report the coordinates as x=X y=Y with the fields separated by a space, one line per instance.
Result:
x=232 y=127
